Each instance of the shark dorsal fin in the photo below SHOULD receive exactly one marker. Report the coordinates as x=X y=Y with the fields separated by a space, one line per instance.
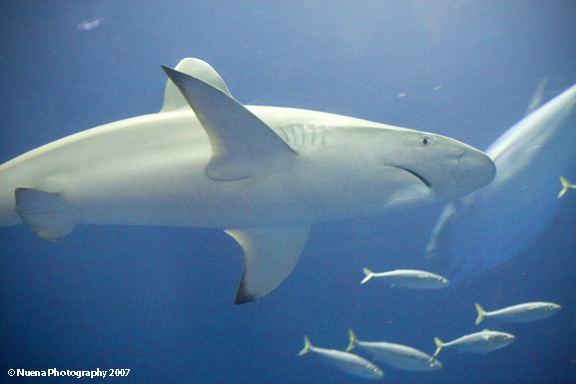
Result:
x=242 y=144
x=173 y=98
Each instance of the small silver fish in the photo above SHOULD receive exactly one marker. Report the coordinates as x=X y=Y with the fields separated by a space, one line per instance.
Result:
x=565 y=186
x=480 y=342
x=344 y=361
x=521 y=313
x=408 y=278
x=397 y=355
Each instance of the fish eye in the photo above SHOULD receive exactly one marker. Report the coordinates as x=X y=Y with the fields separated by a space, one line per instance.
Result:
x=425 y=141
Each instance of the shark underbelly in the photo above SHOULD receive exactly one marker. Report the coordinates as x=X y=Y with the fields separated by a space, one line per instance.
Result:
x=185 y=196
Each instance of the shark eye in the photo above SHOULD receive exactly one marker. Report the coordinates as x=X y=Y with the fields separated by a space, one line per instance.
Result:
x=425 y=141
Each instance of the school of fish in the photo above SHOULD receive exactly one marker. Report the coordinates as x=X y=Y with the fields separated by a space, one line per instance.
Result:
x=411 y=359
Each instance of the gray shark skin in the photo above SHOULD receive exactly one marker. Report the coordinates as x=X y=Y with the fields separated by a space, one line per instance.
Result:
x=263 y=174
x=495 y=223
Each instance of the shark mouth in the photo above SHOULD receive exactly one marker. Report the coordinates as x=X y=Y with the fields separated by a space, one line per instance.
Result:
x=420 y=177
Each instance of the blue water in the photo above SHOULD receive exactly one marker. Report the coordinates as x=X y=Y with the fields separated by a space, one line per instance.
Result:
x=158 y=301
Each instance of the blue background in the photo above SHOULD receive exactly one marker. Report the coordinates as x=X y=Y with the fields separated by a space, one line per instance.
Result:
x=159 y=300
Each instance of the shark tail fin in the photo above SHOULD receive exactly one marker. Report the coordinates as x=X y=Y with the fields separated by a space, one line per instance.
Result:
x=307 y=346
x=481 y=313
x=368 y=274
x=565 y=186
x=353 y=340
x=439 y=345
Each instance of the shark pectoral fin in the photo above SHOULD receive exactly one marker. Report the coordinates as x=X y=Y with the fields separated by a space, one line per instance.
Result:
x=173 y=98
x=43 y=212
x=270 y=255
x=241 y=143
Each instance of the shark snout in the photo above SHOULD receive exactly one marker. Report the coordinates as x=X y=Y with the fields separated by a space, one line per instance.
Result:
x=474 y=170
x=457 y=169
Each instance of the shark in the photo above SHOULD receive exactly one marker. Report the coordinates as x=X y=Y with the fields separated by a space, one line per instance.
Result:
x=493 y=224
x=265 y=175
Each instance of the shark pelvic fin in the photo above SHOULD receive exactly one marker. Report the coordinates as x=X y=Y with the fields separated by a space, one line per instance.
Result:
x=43 y=212
x=173 y=98
x=241 y=143
x=270 y=255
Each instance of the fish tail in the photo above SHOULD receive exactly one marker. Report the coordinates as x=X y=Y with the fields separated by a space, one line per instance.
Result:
x=353 y=340
x=368 y=274
x=565 y=186
x=439 y=345
x=481 y=313
x=307 y=346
